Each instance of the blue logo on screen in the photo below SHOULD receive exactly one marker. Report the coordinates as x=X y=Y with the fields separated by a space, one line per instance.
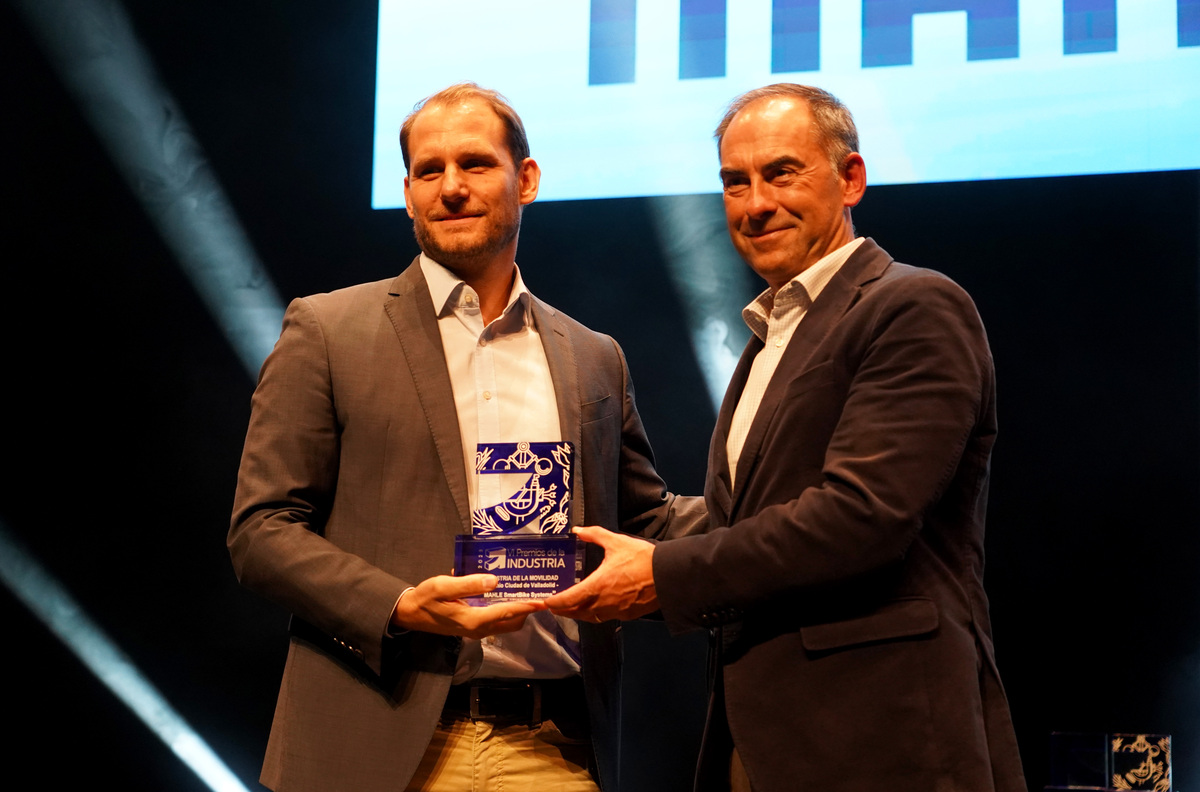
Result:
x=887 y=33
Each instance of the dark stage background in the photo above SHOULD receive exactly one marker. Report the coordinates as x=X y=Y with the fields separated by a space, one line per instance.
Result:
x=126 y=407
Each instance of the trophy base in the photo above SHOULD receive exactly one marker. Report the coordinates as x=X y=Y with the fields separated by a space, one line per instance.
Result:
x=530 y=566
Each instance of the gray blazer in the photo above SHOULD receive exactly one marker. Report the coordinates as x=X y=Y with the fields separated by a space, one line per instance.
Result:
x=352 y=487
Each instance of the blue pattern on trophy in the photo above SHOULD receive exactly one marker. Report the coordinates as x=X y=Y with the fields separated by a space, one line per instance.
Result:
x=542 y=504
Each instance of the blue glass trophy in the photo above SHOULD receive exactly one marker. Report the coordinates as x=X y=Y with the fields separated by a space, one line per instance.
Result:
x=525 y=539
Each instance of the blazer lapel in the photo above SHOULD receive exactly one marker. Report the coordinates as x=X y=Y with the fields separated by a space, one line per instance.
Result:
x=410 y=309
x=564 y=372
x=864 y=265
x=719 y=491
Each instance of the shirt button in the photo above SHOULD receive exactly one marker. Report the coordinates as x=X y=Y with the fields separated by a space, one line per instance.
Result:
x=778 y=342
x=487 y=395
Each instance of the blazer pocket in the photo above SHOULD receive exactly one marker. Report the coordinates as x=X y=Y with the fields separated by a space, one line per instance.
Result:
x=906 y=618
x=819 y=376
x=596 y=410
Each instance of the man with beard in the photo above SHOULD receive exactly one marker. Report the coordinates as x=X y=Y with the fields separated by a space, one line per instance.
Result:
x=359 y=471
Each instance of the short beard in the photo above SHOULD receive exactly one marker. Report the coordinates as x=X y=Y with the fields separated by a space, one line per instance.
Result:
x=463 y=257
x=467 y=257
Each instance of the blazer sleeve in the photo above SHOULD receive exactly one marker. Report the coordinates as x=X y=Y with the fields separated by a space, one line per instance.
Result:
x=285 y=491
x=908 y=387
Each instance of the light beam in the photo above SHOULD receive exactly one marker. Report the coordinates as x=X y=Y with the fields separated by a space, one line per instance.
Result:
x=711 y=281
x=91 y=45
x=50 y=602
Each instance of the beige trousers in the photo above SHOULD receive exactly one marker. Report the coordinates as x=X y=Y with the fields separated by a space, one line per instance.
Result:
x=467 y=755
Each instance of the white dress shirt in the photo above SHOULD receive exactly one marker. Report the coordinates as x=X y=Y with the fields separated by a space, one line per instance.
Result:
x=502 y=393
x=774 y=317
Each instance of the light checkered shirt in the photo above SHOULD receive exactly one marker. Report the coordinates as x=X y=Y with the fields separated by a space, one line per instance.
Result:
x=502 y=393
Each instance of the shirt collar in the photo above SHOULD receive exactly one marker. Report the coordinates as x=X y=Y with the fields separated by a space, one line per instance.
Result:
x=800 y=292
x=447 y=289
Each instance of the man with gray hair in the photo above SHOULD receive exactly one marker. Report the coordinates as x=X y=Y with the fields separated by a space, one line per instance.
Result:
x=842 y=576
x=359 y=471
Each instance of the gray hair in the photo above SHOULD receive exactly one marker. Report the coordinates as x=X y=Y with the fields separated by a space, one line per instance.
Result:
x=837 y=135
